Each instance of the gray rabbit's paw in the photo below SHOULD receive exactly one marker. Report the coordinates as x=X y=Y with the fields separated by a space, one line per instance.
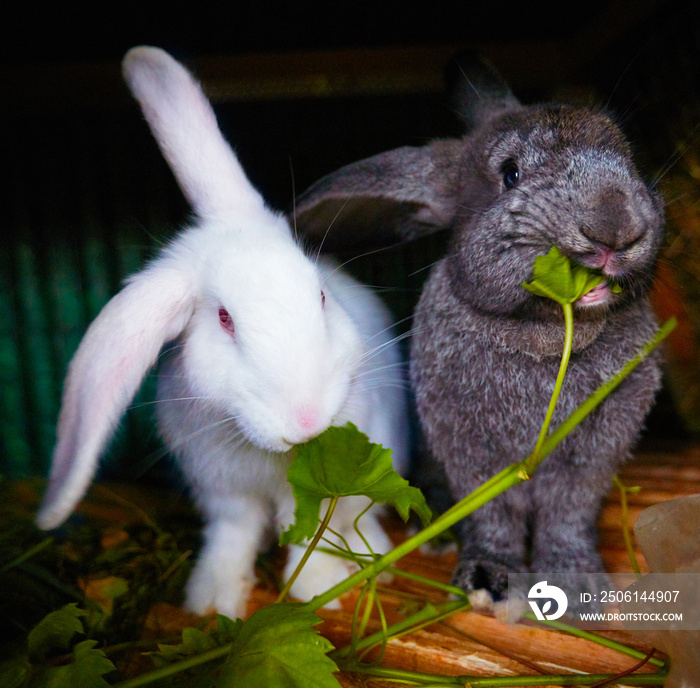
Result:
x=480 y=573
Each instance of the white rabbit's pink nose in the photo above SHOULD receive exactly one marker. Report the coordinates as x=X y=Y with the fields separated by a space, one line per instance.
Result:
x=307 y=419
x=308 y=423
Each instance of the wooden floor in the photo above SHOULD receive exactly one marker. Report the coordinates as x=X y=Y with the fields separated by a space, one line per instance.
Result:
x=478 y=644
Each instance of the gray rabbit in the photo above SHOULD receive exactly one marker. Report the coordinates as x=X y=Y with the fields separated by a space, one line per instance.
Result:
x=485 y=352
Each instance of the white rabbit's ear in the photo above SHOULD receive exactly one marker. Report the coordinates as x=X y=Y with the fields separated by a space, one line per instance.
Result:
x=395 y=196
x=119 y=347
x=185 y=127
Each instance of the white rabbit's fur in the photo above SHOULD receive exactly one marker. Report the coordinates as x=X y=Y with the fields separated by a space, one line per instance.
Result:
x=310 y=348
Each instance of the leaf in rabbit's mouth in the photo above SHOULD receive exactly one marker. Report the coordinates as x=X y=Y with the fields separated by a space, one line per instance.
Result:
x=556 y=277
x=598 y=294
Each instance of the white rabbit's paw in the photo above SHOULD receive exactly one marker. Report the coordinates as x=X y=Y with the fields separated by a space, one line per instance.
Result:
x=373 y=535
x=320 y=573
x=213 y=587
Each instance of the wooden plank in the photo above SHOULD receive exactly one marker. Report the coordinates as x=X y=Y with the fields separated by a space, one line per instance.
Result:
x=473 y=642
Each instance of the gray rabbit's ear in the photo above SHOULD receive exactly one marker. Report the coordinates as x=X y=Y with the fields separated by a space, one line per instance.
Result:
x=478 y=91
x=392 y=197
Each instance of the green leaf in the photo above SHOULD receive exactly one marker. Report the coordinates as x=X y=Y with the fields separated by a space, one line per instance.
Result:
x=556 y=277
x=225 y=628
x=196 y=642
x=277 y=646
x=193 y=642
x=85 y=672
x=343 y=462
x=54 y=632
x=15 y=672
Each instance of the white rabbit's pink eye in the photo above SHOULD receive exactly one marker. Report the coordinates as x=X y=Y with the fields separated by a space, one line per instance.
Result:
x=226 y=320
x=323 y=299
x=511 y=175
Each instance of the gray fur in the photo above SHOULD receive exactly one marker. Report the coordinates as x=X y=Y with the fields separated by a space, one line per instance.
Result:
x=485 y=352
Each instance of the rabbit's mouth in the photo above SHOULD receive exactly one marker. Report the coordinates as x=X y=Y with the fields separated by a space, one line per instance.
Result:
x=597 y=295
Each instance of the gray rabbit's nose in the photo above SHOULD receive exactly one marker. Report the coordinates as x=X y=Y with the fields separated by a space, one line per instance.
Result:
x=603 y=259
x=612 y=223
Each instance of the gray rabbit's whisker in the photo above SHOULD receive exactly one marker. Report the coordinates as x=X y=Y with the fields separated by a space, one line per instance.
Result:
x=677 y=155
x=682 y=195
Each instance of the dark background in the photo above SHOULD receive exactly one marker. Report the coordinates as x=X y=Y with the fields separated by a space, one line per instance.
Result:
x=84 y=31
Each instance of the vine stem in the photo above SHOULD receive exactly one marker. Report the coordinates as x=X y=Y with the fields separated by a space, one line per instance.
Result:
x=502 y=481
x=46 y=542
x=565 y=356
x=437 y=681
x=606 y=388
x=598 y=639
x=358 y=626
x=624 y=491
x=425 y=617
x=312 y=546
x=490 y=489
x=174 y=669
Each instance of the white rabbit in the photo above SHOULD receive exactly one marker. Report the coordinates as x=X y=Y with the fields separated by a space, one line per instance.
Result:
x=272 y=348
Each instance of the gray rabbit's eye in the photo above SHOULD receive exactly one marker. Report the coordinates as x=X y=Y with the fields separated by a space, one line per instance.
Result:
x=511 y=174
